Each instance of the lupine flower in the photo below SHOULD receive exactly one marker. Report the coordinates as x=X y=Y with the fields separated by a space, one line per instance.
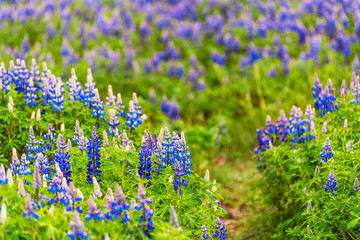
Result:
x=221 y=230
x=97 y=106
x=205 y=233
x=57 y=101
x=148 y=213
x=317 y=170
x=133 y=120
x=324 y=129
x=105 y=139
x=113 y=123
x=29 y=211
x=309 y=207
x=93 y=213
x=62 y=158
x=173 y=217
x=30 y=94
x=111 y=99
x=331 y=183
x=76 y=224
x=24 y=166
x=119 y=106
x=56 y=186
x=356 y=185
x=343 y=89
x=351 y=146
x=15 y=163
x=32 y=147
x=89 y=92
x=317 y=89
x=75 y=89
x=3 y=177
x=21 y=188
x=297 y=127
x=3 y=213
x=305 y=191
x=43 y=164
x=327 y=154
x=145 y=162
x=93 y=152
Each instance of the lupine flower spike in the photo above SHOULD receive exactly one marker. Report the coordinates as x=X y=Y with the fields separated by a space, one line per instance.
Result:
x=331 y=183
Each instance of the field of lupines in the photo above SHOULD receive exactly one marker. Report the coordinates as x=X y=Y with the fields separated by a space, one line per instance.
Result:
x=96 y=98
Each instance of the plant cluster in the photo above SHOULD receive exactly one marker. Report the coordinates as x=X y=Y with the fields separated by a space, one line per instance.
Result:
x=312 y=185
x=70 y=183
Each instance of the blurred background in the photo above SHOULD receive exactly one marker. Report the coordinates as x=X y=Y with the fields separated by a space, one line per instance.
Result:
x=211 y=68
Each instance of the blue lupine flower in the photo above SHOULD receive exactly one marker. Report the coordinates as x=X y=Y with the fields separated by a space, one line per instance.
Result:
x=15 y=163
x=89 y=92
x=30 y=94
x=5 y=78
x=145 y=156
x=43 y=164
x=76 y=232
x=119 y=106
x=218 y=58
x=327 y=154
x=317 y=89
x=331 y=183
x=355 y=88
x=56 y=186
x=93 y=152
x=24 y=166
x=32 y=148
x=29 y=211
x=220 y=230
x=133 y=120
x=167 y=150
x=35 y=75
x=343 y=89
x=97 y=106
x=327 y=98
x=93 y=213
x=50 y=136
x=3 y=176
x=70 y=198
x=47 y=89
x=205 y=233
x=297 y=125
x=148 y=213
x=62 y=158
x=75 y=89
x=113 y=123
x=117 y=206
x=76 y=131
x=111 y=99
x=57 y=101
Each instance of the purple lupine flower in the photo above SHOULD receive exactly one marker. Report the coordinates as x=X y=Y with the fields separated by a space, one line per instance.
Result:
x=331 y=183
x=220 y=230
x=113 y=123
x=298 y=126
x=327 y=154
x=111 y=99
x=205 y=233
x=356 y=185
x=343 y=89
x=317 y=89
x=148 y=213
x=29 y=211
x=93 y=152
x=76 y=224
x=97 y=106
x=62 y=158
x=119 y=106
x=133 y=120
x=145 y=156
x=93 y=213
